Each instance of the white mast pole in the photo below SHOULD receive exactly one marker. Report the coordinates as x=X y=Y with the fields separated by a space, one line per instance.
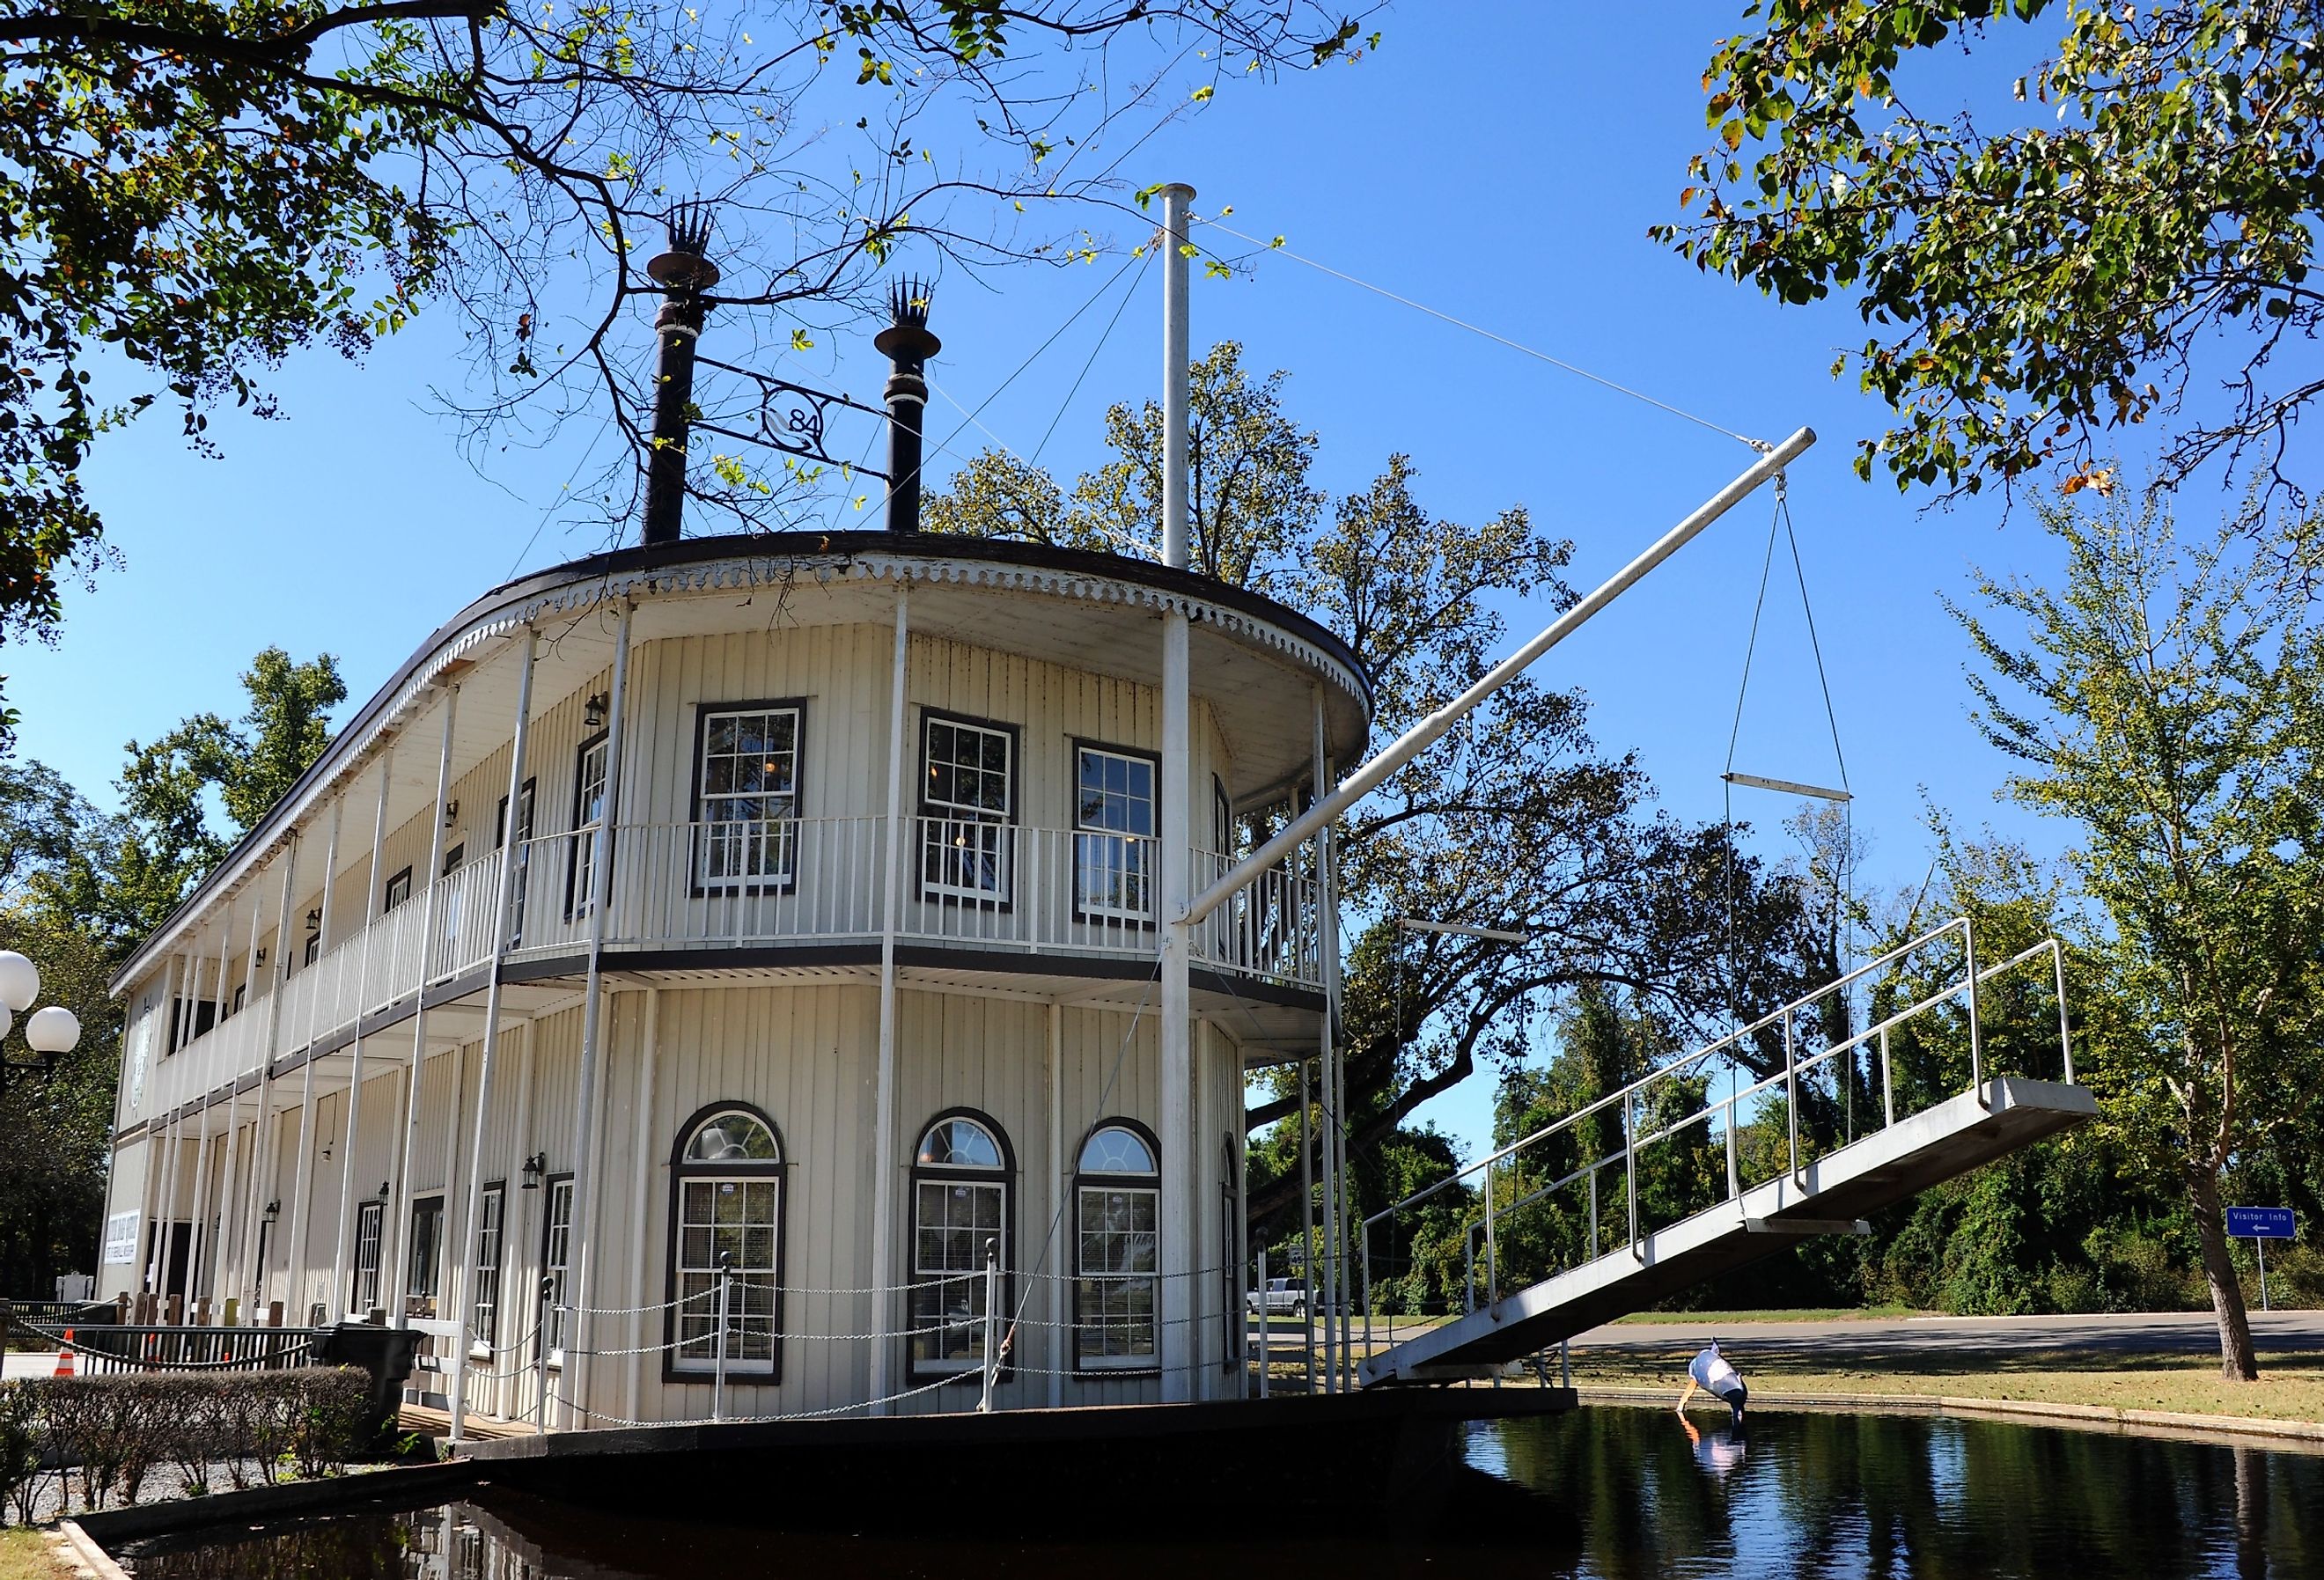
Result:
x=1174 y=1338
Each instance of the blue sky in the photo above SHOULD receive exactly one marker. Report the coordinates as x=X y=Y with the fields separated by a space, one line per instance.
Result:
x=1500 y=163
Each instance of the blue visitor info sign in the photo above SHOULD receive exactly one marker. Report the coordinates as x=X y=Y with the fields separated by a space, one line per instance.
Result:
x=2260 y=1223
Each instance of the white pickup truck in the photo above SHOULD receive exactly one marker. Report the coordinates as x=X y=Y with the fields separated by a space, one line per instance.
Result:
x=1280 y=1297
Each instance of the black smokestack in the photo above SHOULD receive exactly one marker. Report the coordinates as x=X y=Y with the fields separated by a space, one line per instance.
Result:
x=684 y=273
x=908 y=346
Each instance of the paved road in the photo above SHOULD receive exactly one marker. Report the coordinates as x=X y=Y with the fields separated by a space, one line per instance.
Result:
x=2190 y=1331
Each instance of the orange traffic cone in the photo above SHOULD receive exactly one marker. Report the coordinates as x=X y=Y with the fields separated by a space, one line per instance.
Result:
x=65 y=1357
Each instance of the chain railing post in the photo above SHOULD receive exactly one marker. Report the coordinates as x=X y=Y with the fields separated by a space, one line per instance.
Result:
x=1593 y=1212
x=991 y=1318
x=1267 y=1319
x=1367 y=1231
x=541 y=1356
x=718 y=1370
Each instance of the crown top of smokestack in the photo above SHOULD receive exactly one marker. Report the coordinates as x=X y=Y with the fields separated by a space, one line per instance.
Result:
x=685 y=267
x=905 y=341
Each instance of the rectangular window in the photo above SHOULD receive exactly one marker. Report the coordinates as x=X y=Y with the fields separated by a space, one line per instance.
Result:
x=484 y=1311
x=398 y=891
x=314 y=947
x=423 y=1282
x=968 y=799
x=1113 y=837
x=452 y=859
x=735 y=1217
x=747 y=801
x=371 y=1218
x=1114 y=1291
x=523 y=857
x=556 y=1248
x=588 y=811
x=952 y=1219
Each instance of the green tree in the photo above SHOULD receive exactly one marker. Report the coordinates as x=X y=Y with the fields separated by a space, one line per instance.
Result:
x=2032 y=276
x=2165 y=699
x=1515 y=820
x=192 y=190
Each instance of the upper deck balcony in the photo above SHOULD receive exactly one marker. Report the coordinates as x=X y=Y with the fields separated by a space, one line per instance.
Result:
x=323 y=918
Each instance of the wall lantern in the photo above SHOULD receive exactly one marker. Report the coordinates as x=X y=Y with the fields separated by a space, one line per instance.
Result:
x=592 y=712
x=534 y=1167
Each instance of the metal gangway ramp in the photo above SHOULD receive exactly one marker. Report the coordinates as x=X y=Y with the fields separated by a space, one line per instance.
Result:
x=1540 y=1188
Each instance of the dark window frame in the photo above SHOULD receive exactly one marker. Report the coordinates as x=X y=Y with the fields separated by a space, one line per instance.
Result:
x=551 y=1326
x=1006 y=1177
x=411 y=1252
x=489 y=1335
x=1077 y=746
x=1005 y=899
x=389 y=899
x=529 y=798
x=771 y=1374
x=374 y=1207
x=577 y=905
x=1152 y=1182
x=703 y=714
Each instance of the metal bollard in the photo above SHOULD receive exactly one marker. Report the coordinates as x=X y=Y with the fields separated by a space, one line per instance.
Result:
x=718 y=1373
x=991 y=1321
x=540 y=1359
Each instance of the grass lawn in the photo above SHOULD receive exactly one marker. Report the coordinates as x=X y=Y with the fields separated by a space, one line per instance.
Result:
x=2290 y=1385
x=24 y=1556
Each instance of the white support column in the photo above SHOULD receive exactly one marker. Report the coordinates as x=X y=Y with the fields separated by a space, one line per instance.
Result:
x=522 y=1299
x=1177 y=1121
x=238 y=1181
x=641 y=1139
x=263 y=1148
x=1059 y=1351
x=1177 y=999
x=512 y=854
x=1307 y=1244
x=195 y=1239
x=394 y=1233
x=885 y=1306
x=341 y=1286
x=296 y=1263
x=585 y=1114
x=1327 y=1107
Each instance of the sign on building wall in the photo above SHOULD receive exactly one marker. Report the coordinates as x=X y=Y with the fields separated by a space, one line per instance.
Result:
x=121 y=1239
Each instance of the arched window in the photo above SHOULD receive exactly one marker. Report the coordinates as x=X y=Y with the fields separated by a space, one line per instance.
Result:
x=962 y=1176
x=726 y=1202
x=1117 y=1249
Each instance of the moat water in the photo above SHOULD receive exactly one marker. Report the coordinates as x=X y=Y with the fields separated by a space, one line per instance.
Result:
x=1600 y=1494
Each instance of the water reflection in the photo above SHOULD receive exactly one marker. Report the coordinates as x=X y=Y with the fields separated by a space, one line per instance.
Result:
x=1911 y=1496
x=1602 y=1494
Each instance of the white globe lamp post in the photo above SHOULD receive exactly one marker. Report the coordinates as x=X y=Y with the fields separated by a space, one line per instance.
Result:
x=51 y=1033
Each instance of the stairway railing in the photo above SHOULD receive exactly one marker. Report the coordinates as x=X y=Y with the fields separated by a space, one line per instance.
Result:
x=1960 y=981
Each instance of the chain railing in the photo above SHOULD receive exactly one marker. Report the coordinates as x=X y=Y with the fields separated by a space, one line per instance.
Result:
x=1679 y=1147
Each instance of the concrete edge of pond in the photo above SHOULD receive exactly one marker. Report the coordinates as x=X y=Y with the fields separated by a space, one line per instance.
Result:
x=88 y=1553
x=2304 y=1434
x=110 y=1527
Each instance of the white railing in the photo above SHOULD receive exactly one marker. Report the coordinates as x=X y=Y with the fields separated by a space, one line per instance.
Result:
x=972 y=884
x=1941 y=966
x=1271 y=928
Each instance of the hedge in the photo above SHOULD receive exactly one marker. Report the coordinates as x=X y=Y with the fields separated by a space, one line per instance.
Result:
x=108 y=1433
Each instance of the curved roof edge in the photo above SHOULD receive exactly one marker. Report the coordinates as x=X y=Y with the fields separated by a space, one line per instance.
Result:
x=619 y=571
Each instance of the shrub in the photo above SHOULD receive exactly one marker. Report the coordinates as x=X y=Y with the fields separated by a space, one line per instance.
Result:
x=115 y=1428
x=20 y=1474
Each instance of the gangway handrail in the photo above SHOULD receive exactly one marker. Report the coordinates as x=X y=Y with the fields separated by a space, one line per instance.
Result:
x=1728 y=1102
x=1679 y=1064
x=1795 y=1067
